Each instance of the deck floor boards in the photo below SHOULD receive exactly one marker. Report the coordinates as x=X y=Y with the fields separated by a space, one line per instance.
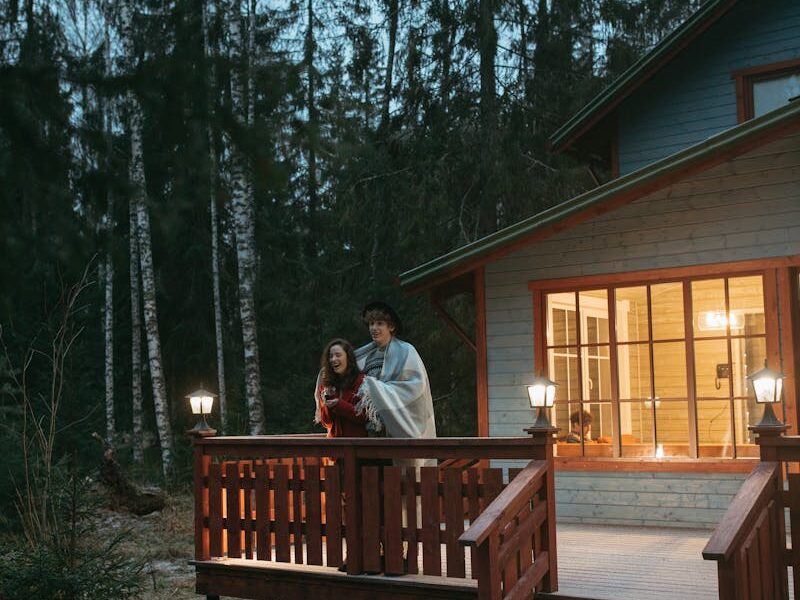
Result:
x=601 y=562
x=631 y=563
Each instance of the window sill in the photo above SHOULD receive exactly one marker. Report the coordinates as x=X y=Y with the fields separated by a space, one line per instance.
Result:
x=641 y=465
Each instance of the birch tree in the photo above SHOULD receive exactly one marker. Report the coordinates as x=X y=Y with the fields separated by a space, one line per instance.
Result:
x=108 y=326
x=142 y=233
x=108 y=320
x=212 y=173
x=393 y=10
x=136 y=340
x=244 y=227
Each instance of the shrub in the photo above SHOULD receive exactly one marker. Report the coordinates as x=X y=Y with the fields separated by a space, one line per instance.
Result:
x=47 y=572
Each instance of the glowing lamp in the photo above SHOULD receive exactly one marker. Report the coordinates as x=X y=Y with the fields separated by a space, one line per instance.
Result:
x=201 y=402
x=542 y=395
x=719 y=320
x=767 y=386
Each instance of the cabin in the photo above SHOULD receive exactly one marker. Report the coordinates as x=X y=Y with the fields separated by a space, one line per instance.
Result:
x=650 y=298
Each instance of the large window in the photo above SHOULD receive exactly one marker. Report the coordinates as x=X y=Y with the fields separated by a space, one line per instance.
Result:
x=657 y=369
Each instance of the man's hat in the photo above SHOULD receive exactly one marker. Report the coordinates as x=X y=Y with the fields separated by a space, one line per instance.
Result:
x=383 y=307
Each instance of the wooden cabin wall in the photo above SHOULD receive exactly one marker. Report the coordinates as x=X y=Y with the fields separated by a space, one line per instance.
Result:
x=694 y=97
x=692 y=500
x=746 y=209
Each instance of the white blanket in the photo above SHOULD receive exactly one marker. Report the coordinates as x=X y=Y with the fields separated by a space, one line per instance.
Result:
x=399 y=400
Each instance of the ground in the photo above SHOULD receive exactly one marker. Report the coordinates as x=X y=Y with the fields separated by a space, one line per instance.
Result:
x=164 y=540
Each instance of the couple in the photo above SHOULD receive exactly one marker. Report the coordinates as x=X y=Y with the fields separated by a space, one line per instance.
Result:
x=379 y=389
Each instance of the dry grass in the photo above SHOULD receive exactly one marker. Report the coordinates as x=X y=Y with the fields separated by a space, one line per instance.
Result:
x=163 y=541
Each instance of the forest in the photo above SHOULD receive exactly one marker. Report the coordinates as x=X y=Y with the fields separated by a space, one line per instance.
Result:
x=202 y=193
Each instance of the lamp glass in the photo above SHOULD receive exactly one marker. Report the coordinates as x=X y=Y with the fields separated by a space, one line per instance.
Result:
x=542 y=392
x=197 y=404
x=767 y=389
x=767 y=385
x=206 y=402
x=536 y=394
x=550 y=399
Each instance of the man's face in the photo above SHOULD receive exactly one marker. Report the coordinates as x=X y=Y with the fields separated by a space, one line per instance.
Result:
x=381 y=332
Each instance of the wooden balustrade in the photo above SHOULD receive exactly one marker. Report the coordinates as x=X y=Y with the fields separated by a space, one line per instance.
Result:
x=749 y=544
x=308 y=500
x=509 y=539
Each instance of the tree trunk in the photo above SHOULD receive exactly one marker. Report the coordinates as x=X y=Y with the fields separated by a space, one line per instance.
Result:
x=212 y=184
x=490 y=206
x=488 y=50
x=108 y=321
x=108 y=327
x=524 y=61
x=136 y=341
x=243 y=212
x=312 y=132
x=137 y=177
x=394 y=10
x=151 y=316
x=448 y=26
x=251 y=122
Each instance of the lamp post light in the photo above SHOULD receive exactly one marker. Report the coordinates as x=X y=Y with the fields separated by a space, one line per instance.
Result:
x=542 y=395
x=201 y=402
x=767 y=386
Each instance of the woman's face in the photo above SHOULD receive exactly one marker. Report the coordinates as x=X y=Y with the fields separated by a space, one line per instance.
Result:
x=381 y=332
x=337 y=358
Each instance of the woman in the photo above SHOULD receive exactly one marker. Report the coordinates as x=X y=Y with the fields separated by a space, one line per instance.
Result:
x=337 y=396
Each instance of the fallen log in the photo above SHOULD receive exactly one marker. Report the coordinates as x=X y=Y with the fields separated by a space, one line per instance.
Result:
x=124 y=493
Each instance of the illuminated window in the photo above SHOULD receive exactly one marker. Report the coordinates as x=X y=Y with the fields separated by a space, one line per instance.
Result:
x=656 y=369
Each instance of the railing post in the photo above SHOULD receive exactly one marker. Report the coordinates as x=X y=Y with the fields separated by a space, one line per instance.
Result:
x=768 y=433
x=544 y=451
x=352 y=512
x=200 y=466
x=487 y=573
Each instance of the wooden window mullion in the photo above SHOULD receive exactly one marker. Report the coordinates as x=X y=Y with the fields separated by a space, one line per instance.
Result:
x=580 y=367
x=616 y=422
x=691 y=383
x=731 y=374
x=651 y=354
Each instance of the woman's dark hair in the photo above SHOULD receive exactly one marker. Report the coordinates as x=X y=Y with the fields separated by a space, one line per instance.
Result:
x=329 y=377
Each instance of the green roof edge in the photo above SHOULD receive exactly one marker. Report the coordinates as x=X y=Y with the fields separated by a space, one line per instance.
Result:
x=618 y=86
x=721 y=141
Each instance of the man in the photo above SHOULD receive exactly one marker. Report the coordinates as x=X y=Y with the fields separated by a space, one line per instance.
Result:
x=396 y=394
x=579 y=432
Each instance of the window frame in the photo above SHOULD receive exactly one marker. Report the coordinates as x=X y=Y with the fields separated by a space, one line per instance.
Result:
x=745 y=78
x=771 y=270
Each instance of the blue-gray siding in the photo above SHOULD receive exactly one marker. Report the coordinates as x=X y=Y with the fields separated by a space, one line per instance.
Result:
x=745 y=209
x=694 y=97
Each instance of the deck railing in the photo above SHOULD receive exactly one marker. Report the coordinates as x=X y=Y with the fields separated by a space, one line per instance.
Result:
x=749 y=543
x=316 y=501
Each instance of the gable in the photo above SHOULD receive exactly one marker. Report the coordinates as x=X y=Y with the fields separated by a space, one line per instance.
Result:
x=694 y=97
x=681 y=92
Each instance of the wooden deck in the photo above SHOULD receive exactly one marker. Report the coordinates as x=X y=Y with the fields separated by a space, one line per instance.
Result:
x=632 y=563
x=595 y=562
